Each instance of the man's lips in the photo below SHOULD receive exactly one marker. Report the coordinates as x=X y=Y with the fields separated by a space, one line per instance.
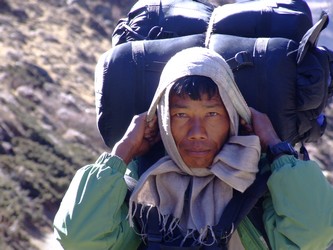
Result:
x=197 y=152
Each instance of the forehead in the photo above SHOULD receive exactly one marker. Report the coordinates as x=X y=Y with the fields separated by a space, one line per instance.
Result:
x=181 y=101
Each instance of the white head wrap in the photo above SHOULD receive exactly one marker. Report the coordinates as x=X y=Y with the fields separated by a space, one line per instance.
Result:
x=164 y=184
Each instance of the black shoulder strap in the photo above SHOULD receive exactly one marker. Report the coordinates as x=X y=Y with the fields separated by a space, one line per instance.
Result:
x=239 y=206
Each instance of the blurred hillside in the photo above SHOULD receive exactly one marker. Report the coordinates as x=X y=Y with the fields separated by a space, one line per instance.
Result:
x=48 y=51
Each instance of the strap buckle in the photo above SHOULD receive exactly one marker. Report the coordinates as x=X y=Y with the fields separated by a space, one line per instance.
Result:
x=241 y=59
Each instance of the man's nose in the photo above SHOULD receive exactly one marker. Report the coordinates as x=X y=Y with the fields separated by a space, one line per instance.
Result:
x=197 y=129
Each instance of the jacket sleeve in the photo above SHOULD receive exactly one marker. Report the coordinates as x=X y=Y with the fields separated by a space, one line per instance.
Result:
x=298 y=214
x=92 y=214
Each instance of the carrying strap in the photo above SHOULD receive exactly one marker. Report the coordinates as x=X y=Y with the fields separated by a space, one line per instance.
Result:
x=241 y=59
x=329 y=54
x=158 y=32
x=258 y=61
x=138 y=56
x=240 y=206
x=153 y=228
x=304 y=152
x=244 y=58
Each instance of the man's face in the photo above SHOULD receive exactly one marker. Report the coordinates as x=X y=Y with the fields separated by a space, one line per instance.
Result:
x=199 y=128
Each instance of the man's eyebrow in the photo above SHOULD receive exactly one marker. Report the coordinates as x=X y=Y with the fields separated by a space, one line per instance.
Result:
x=214 y=105
x=177 y=105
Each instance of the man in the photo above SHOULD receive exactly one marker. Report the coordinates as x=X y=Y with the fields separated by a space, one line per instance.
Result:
x=199 y=109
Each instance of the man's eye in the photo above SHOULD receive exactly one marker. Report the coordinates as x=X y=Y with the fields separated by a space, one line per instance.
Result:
x=181 y=115
x=212 y=114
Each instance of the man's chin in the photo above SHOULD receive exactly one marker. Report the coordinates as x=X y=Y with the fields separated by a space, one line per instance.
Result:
x=198 y=164
x=198 y=159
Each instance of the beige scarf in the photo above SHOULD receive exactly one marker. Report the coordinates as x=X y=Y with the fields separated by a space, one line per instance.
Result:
x=165 y=183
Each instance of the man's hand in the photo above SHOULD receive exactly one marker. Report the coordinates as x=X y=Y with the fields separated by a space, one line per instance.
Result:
x=263 y=128
x=138 y=139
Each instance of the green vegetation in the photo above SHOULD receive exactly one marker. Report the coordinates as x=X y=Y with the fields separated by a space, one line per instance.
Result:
x=39 y=176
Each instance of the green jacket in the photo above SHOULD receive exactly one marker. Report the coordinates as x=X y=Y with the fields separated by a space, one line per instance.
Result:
x=298 y=213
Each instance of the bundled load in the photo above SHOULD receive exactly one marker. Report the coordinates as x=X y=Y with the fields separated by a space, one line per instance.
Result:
x=271 y=47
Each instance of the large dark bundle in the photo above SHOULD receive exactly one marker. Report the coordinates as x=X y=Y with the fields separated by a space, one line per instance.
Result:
x=271 y=47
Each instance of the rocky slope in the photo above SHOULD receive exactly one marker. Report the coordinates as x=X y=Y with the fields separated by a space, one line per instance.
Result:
x=48 y=51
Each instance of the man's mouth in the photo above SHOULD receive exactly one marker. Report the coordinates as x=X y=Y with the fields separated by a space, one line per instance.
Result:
x=197 y=152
